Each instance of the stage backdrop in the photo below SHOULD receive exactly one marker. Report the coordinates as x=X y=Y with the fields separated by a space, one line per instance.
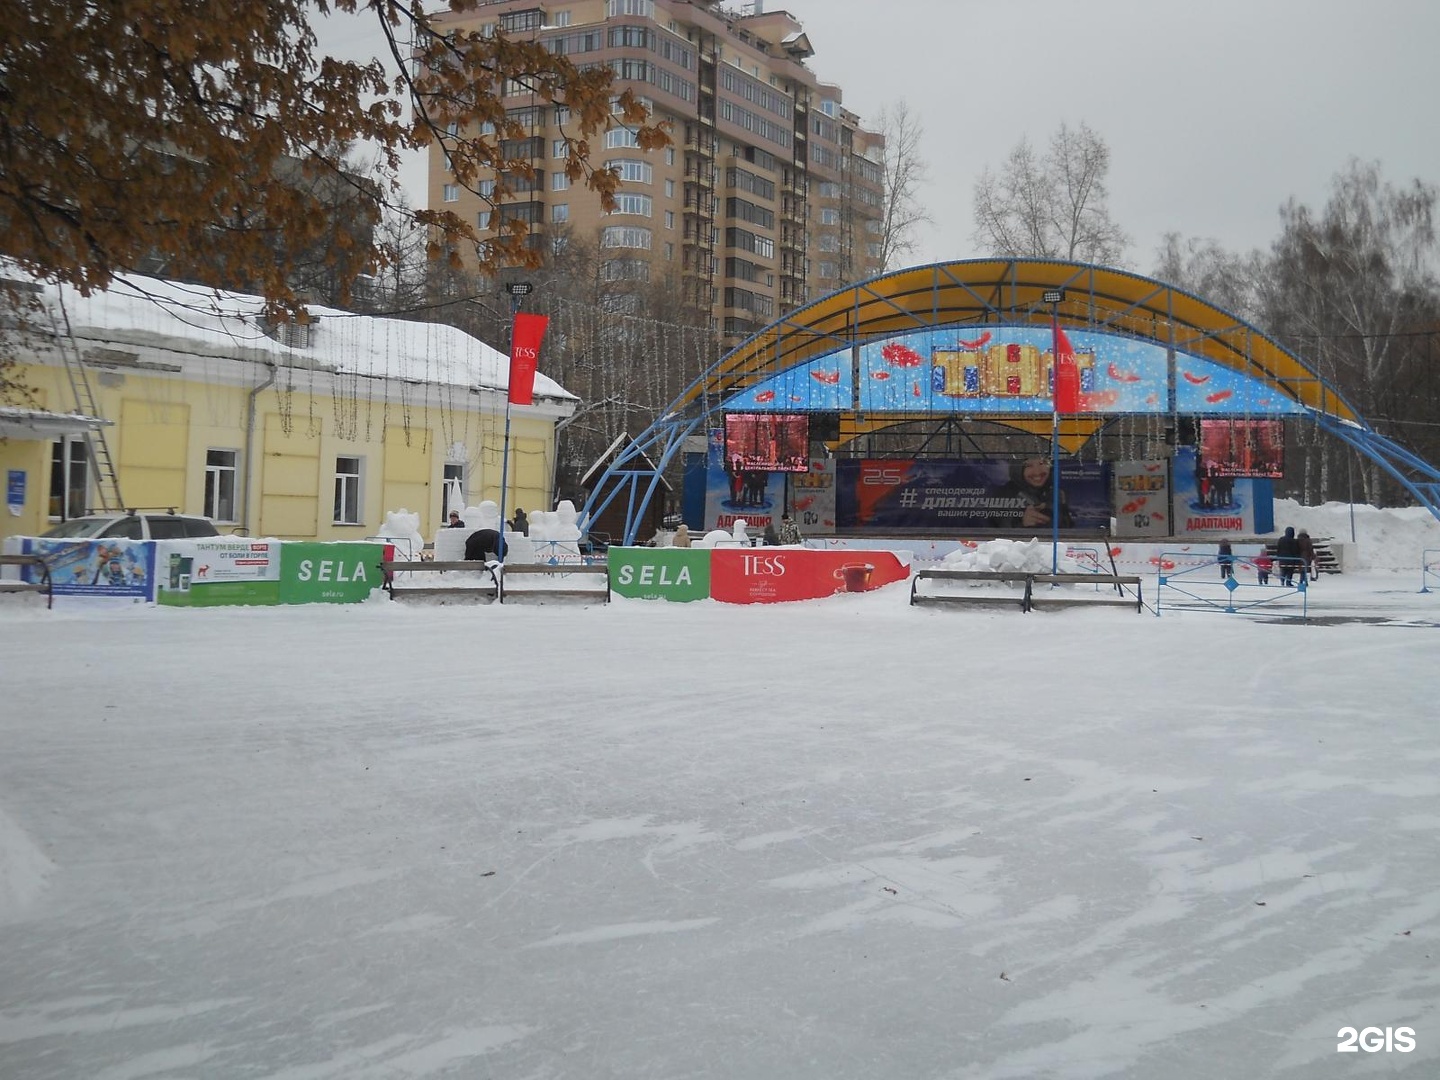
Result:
x=905 y=494
x=1206 y=505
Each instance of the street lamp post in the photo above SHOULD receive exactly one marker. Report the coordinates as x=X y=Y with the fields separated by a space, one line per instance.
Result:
x=1054 y=297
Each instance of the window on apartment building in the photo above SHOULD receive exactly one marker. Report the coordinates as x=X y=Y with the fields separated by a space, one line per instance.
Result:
x=347 y=491
x=486 y=188
x=221 y=470
x=559 y=181
x=643 y=8
x=669 y=189
x=828 y=242
x=669 y=155
x=765 y=247
x=634 y=172
x=625 y=236
x=451 y=192
x=828 y=269
x=828 y=189
x=669 y=252
x=482 y=219
x=560 y=18
x=669 y=219
x=69 y=478
x=559 y=212
x=621 y=138
x=559 y=148
x=640 y=205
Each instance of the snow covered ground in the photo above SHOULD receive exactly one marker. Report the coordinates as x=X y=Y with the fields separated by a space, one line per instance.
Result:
x=835 y=839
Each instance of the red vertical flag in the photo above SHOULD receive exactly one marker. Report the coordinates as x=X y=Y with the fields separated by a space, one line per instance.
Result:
x=1067 y=376
x=525 y=338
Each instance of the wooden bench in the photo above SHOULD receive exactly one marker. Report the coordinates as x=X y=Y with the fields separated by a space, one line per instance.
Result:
x=392 y=582
x=552 y=570
x=15 y=585
x=1021 y=601
x=1109 y=589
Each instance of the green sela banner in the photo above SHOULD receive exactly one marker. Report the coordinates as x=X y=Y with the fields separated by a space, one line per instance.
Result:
x=677 y=574
x=316 y=573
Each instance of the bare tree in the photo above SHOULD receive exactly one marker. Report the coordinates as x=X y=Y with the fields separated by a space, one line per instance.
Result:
x=904 y=172
x=1353 y=291
x=1051 y=207
x=1224 y=278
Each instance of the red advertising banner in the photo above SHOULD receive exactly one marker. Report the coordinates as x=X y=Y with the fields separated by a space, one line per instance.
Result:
x=768 y=575
x=525 y=338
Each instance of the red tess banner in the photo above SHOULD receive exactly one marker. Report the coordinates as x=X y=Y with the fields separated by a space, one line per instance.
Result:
x=769 y=575
x=525 y=338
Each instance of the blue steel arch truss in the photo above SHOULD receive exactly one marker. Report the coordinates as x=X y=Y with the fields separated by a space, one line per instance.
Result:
x=969 y=296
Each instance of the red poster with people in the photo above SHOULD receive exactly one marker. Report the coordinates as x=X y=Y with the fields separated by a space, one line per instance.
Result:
x=774 y=575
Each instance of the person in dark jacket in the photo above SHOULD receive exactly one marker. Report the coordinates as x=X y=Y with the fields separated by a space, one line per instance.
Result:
x=482 y=544
x=1226 y=559
x=1307 y=555
x=455 y=522
x=1287 y=557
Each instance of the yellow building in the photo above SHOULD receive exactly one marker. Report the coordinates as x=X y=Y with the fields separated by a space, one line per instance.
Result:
x=157 y=395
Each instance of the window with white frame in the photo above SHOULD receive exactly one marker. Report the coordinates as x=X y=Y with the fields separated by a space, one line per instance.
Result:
x=69 y=478
x=451 y=192
x=482 y=219
x=634 y=172
x=559 y=181
x=643 y=8
x=559 y=148
x=828 y=242
x=621 y=138
x=669 y=219
x=640 y=205
x=347 y=490
x=221 y=471
x=669 y=189
x=559 y=212
x=486 y=188
x=829 y=216
x=625 y=236
x=560 y=18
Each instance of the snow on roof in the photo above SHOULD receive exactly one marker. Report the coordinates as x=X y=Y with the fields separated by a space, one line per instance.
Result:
x=152 y=312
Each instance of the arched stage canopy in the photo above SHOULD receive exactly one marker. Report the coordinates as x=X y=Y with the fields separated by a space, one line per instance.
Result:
x=920 y=344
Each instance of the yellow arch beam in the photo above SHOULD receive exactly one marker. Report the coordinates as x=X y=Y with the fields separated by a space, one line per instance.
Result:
x=1010 y=292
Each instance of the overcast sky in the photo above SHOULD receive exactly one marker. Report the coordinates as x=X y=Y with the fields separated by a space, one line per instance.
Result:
x=1215 y=113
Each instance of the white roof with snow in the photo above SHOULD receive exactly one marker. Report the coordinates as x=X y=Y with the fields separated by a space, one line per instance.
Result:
x=149 y=312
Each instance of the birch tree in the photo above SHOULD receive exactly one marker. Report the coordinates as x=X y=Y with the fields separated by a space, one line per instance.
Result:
x=1050 y=206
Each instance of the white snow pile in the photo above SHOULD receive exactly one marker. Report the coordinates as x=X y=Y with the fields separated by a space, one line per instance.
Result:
x=1384 y=539
x=403 y=526
x=1022 y=556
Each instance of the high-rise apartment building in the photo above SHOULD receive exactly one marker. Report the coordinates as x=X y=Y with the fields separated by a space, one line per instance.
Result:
x=770 y=193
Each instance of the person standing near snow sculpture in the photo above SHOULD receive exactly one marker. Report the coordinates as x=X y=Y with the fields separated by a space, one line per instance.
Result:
x=455 y=522
x=789 y=531
x=1287 y=556
x=518 y=523
x=482 y=545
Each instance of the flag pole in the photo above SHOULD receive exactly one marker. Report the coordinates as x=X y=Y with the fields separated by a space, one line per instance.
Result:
x=1053 y=298
x=517 y=290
